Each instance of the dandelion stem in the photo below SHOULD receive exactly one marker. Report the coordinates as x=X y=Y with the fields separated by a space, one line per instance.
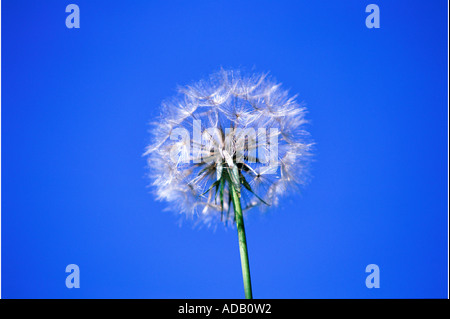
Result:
x=235 y=194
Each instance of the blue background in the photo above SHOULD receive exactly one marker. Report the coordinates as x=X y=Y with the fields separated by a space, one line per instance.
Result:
x=75 y=108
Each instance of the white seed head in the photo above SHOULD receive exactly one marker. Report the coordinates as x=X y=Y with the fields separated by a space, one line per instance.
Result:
x=229 y=120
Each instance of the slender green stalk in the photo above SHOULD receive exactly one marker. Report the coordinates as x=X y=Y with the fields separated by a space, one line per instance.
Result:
x=235 y=195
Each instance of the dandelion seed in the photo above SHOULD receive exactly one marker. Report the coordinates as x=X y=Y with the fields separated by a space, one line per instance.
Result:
x=232 y=140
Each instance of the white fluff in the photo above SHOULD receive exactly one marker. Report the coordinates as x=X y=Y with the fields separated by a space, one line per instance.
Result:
x=241 y=120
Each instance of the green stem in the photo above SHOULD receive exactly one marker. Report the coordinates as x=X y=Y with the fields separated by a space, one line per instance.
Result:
x=235 y=196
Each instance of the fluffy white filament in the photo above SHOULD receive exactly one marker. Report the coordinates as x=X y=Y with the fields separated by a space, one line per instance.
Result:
x=210 y=126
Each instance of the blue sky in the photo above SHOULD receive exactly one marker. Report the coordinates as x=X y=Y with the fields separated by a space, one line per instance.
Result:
x=75 y=108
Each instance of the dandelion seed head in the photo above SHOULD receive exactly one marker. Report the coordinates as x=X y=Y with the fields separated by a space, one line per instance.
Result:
x=230 y=119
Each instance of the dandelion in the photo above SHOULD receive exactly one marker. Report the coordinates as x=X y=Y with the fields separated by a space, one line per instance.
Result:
x=231 y=140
